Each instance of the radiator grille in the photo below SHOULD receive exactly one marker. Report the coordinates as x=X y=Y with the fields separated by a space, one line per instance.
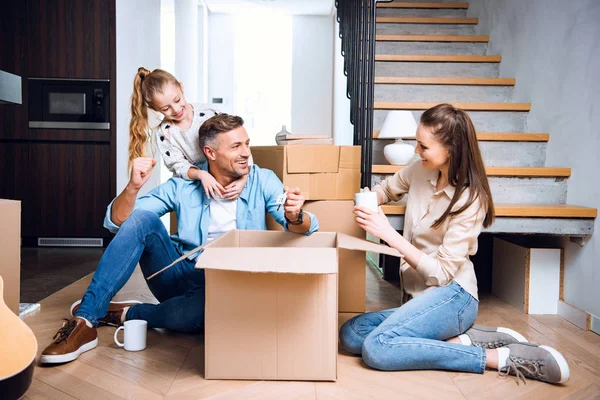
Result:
x=70 y=242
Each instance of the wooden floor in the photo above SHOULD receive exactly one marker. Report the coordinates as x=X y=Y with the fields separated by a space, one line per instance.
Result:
x=172 y=365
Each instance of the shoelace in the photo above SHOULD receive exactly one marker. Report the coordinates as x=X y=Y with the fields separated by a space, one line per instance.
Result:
x=112 y=318
x=64 y=332
x=530 y=368
x=490 y=345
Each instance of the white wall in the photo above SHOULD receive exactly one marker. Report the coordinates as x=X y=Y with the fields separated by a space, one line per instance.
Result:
x=220 y=59
x=312 y=74
x=187 y=39
x=312 y=69
x=137 y=46
x=551 y=47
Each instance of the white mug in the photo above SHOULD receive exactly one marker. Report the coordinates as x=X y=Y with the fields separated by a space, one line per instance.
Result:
x=367 y=199
x=135 y=335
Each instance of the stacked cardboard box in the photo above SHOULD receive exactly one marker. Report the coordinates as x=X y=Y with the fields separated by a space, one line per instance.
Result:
x=321 y=172
x=10 y=252
x=331 y=175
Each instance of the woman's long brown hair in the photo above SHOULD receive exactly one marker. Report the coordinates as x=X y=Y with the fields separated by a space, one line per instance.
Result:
x=454 y=129
x=145 y=85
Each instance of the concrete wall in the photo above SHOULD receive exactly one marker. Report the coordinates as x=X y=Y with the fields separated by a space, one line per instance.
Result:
x=312 y=74
x=552 y=49
x=137 y=46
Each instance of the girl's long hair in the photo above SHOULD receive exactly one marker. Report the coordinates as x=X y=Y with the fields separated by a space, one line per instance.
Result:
x=145 y=86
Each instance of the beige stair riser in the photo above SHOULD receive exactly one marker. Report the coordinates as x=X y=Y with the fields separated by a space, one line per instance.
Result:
x=437 y=69
x=484 y=121
x=424 y=29
x=513 y=190
x=501 y=154
x=466 y=48
x=431 y=93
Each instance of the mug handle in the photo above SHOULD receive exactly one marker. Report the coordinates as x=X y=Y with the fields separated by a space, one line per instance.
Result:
x=117 y=340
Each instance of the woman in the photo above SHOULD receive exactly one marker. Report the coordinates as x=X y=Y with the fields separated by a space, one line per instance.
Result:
x=177 y=135
x=449 y=203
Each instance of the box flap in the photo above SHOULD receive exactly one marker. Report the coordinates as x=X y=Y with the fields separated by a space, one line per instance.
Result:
x=293 y=260
x=312 y=159
x=352 y=243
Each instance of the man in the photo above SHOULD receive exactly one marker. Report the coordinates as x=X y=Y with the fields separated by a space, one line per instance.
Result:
x=141 y=237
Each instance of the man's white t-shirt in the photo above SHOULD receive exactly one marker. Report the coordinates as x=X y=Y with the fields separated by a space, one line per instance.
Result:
x=222 y=217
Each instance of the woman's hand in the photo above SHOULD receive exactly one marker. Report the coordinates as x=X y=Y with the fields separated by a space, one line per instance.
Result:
x=212 y=188
x=375 y=223
x=234 y=189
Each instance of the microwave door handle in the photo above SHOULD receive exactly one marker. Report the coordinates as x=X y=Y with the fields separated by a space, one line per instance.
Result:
x=84 y=102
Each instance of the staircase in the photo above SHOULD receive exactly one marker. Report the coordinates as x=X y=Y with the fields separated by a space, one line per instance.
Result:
x=427 y=53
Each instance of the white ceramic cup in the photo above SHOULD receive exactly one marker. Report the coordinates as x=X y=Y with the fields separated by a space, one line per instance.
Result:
x=135 y=335
x=367 y=199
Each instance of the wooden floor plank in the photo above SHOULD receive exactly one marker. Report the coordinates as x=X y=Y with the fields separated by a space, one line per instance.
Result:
x=109 y=373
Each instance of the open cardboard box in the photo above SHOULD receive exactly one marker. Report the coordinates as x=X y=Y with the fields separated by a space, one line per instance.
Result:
x=321 y=172
x=271 y=304
x=337 y=216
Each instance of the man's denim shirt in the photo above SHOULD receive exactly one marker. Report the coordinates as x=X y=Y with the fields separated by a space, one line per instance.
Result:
x=188 y=199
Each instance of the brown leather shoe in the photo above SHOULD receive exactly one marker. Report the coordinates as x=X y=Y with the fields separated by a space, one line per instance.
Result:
x=74 y=338
x=113 y=315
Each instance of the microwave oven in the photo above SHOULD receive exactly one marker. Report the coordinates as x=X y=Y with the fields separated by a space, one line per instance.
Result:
x=69 y=103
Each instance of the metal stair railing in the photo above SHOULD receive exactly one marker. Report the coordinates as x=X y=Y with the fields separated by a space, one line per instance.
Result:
x=357 y=32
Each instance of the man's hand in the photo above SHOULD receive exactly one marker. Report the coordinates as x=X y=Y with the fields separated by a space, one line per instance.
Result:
x=141 y=169
x=293 y=204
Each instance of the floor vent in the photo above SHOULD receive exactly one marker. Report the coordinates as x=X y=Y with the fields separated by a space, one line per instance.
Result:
x=70 y=242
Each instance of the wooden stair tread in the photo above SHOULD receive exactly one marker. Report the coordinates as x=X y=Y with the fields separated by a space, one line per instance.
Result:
x=432 y=38
x=398 y=105
x=500 y=136
x=437 y=58
x=530 y=172
x=427 y=20
x=521 y=210
x=399 y=4
x=418 y=80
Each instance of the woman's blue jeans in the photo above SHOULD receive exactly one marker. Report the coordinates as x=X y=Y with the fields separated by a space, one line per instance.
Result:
x=412 y=336
x=180 y=290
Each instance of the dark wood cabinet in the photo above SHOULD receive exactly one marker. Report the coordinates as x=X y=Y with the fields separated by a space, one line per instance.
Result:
x=64 y=178
x=69 y=38
x=70 y=183
x=13 y=59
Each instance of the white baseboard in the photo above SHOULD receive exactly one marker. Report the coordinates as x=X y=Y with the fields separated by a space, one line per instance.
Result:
x=575 y=316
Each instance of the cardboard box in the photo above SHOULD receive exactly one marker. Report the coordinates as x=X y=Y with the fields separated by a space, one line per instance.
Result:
x=321 y=172
x=337 y=216
x=271 y=304
x=10 y=252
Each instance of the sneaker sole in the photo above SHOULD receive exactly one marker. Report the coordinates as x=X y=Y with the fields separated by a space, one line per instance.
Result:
x=565 y=372
x=514 y=334
x=78 y=302
x=63 y=358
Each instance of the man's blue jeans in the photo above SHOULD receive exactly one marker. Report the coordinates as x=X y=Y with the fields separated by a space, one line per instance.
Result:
x=180 y=290
x=412 y=336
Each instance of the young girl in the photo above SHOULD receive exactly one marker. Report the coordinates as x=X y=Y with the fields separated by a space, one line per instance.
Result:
x=177 y=135
x=449 y=203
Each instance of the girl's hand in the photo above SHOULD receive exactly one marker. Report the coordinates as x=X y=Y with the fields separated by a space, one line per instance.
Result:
x=234 y=189
x=375 y=223
x=212 y=188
